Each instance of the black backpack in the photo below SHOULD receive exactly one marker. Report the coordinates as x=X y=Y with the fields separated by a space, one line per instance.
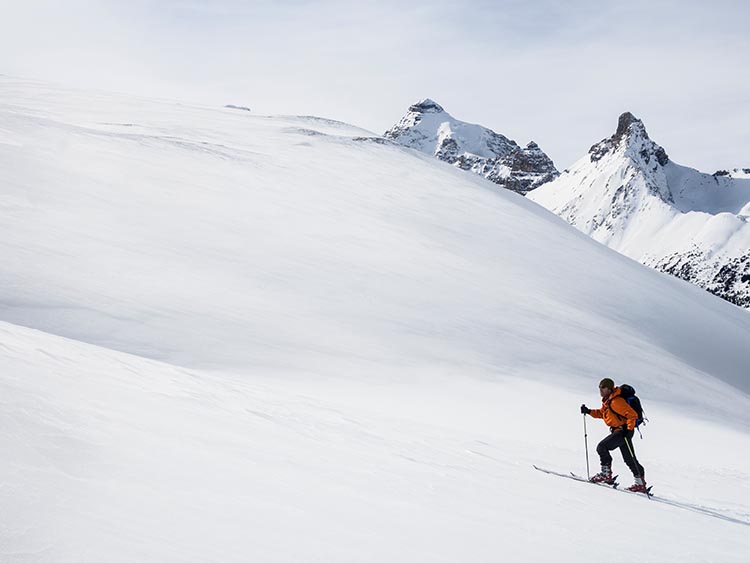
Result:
x=627 y=392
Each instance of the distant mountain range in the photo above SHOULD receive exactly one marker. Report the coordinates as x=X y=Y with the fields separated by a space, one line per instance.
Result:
x=428 y=128
x=628 y=194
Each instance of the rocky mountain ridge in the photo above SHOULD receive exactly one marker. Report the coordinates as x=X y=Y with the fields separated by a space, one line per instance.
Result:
x=427 y=127
x=629 y=195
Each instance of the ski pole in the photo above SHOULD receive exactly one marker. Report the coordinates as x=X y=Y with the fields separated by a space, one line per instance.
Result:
x=586 y=442
x=635 y=461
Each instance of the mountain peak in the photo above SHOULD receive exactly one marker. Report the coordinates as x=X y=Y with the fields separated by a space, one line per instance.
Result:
x=428 y=128
x=427 y=106
x=632 y=137
x=628 y=121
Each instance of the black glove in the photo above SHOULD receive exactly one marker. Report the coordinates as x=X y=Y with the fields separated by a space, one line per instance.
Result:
x=585 y=409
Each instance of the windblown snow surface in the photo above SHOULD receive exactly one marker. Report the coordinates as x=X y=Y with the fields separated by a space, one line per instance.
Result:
x=228 y=337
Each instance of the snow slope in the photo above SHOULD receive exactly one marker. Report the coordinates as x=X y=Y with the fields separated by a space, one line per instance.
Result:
x=110 y=457
x=627 y=194
x=280 y=339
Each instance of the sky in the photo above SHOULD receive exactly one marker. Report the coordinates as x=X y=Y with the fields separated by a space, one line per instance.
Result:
x=558 y=73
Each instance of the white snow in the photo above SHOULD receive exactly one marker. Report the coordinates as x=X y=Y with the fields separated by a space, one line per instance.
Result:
x=259 y=338
x=695 y=191
x=648 y=211
x=427 y=130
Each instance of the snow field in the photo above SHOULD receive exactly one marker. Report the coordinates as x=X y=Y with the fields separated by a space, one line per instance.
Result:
x=124 y=459
x=121 y=459
x=361 y=353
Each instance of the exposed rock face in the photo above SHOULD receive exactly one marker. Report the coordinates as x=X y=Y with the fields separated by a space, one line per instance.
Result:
x=727 y=278
x=241 y=108
x=428 y=128
x=628 y=194
x=630 y=130
x=426 y=106
x=734 y=173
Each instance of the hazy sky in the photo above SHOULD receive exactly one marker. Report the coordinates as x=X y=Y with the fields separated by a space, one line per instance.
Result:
x=557 y=72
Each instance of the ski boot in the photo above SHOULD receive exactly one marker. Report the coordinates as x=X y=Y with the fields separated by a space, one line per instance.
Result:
x=604 y=477
x=639 y=486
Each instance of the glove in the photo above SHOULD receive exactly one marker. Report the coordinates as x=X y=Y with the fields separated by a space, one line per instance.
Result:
x=585 y=409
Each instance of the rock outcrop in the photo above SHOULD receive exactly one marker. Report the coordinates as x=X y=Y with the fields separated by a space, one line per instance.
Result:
x=427 y=127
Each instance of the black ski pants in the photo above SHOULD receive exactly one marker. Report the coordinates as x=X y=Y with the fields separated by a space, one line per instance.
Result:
x=617 y=440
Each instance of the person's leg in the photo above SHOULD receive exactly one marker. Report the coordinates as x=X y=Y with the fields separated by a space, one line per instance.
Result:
x=609 y=443
x=628 y=453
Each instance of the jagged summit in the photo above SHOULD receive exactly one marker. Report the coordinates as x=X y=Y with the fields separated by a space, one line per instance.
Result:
x=630 y=134
x=428 y=128
x=626 y=121
x=427 y=106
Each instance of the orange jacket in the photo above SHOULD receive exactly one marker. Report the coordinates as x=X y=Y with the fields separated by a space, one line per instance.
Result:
x=616 y=411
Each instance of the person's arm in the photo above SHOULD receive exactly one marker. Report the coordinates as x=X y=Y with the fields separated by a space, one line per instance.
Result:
x=596 y=413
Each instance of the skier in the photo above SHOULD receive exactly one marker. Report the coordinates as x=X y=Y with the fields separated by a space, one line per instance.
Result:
x=621 y=419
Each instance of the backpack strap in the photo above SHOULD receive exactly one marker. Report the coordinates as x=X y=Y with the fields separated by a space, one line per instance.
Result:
x=621 y=417
x=642 y=418
x=617 y=413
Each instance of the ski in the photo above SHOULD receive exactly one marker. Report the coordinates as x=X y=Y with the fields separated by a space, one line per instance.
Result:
x=706 y=511
x=575 y=477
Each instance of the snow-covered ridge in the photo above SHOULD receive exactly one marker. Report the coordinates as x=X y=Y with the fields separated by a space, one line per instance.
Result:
x=628 y=194
x=739 y=173
x=427 y=127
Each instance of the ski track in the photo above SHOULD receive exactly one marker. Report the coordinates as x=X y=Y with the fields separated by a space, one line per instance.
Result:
x=684 y=505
